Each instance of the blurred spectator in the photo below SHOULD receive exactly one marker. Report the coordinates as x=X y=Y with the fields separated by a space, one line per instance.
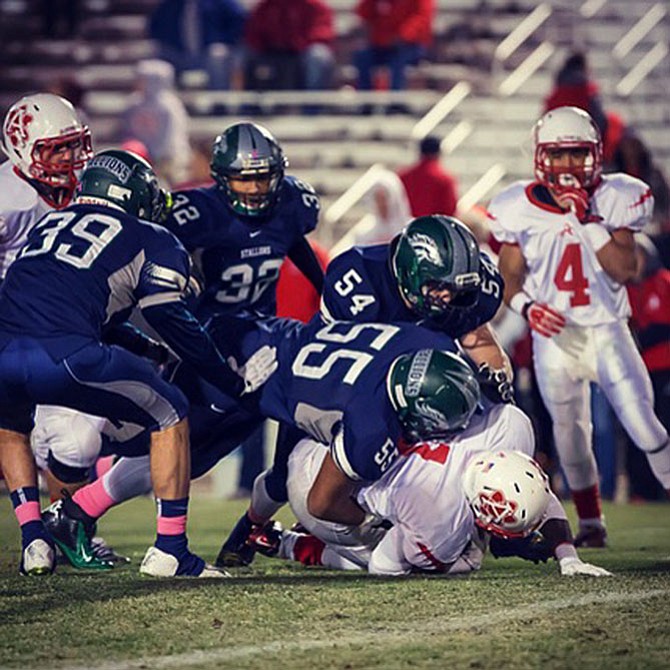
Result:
x=138 y=148
x=200 y=35
x=157 y=117
x=200 y=173
x=390 y=213
x=399 y=33
x=573 y=86
x=634 y=158
x=649 y=296
x=68 y=87
x=289 y=45
x=60 y=18
x=430 y=188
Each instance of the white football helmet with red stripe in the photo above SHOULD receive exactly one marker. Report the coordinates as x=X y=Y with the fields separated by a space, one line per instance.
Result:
x=48 y=144
x=567 y=128
x=508 y=493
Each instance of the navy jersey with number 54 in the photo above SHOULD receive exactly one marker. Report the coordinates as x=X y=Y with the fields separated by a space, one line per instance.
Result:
x=331 y=381
x=359 y=286
x=240 y=260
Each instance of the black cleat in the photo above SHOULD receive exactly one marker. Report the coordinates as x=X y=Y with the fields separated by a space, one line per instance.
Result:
x=236 y=552
x=533 y=548
x=593 y=537
x=73 y=538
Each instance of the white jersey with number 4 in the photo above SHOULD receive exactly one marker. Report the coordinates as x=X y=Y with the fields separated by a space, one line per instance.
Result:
x=20 y=209
x=563 y=270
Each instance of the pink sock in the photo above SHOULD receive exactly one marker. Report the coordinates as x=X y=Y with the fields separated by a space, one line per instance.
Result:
x=94 y=499
x=103 y=465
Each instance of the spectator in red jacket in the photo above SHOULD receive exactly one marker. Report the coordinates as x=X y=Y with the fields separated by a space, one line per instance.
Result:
x=289 y=45
x=399 y=33
x=431 y=189
x=649 y=296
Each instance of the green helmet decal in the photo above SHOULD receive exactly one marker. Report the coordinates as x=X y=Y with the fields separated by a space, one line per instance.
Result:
x=248 y=152
x=126 y=180
x=436 y=263
x=434 y=393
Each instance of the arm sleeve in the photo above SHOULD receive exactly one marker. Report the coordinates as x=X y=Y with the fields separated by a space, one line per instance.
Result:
x=187 y=338
x=129 y=337
x=302 y=254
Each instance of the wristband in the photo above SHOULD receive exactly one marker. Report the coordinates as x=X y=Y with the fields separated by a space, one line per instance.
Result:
x=519 y=301
x=597 y=235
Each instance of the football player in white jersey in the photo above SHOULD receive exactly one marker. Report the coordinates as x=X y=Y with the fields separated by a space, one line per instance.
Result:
x=483 y=477
x=47 y=146
x=567 y=250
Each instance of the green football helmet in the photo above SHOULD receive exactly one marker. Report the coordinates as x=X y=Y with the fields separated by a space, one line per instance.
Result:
x=248 y=152
x=126 y=180
x=435 y=261
x=434 y=393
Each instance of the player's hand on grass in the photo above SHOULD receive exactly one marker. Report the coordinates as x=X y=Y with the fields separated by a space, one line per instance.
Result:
x=572 y=566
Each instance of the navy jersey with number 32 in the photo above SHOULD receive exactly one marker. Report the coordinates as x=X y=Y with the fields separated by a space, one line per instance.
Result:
x=239 y=259
x=359 y=286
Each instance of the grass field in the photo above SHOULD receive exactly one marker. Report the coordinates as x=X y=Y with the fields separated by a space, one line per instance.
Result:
x=512 y=614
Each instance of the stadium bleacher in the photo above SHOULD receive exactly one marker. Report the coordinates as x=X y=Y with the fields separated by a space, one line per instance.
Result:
x=335 y=148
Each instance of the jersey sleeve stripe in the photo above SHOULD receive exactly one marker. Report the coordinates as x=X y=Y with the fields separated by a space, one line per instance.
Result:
x=339 y=455
x=159 y=299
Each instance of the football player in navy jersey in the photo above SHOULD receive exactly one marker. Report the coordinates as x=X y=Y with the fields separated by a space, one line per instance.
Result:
x=364 y=389
x=240 y=230
x=82 y=268
x=433 y=273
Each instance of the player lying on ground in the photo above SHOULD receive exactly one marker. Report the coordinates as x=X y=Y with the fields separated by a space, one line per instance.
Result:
x=426 y=512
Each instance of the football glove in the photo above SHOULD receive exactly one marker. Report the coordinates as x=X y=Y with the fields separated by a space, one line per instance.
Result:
x=258 y=368
x=571 y=566
x=495 y=384
x=543 y=319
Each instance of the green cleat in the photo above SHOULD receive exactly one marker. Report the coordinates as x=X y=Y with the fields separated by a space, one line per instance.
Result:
x=72 y=538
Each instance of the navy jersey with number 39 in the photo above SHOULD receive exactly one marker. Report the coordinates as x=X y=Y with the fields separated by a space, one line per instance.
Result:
x=359 y=286
x=240 y=260
x=77 y=272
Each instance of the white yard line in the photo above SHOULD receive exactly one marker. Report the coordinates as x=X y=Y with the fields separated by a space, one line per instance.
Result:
x=407 y=632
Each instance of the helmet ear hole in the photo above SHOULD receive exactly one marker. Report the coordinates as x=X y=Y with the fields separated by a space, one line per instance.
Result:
x=432 y=253
x=434 y=394
x=247 y=153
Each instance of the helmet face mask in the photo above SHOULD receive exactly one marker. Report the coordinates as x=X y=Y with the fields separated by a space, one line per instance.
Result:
x=127 y=181
x=47 y=143
x=508 y=493
x=248 y=165
x=434 y=394
x=436 y=264
x=568 y=150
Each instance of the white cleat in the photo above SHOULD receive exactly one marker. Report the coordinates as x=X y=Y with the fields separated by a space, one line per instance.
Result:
x=157 y=563
x=38 y=559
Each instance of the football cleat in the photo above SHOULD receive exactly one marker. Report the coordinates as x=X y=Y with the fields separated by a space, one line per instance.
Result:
x=38 y=559
x=104 y=552
x=236 y=552
x=591 y=537
x=73 y=538
x=266 y=539
x=158 y=563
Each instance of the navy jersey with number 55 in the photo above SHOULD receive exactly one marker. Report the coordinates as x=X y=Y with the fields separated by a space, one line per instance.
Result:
x=359 y=286
x=239 y=259
x=331 y=381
